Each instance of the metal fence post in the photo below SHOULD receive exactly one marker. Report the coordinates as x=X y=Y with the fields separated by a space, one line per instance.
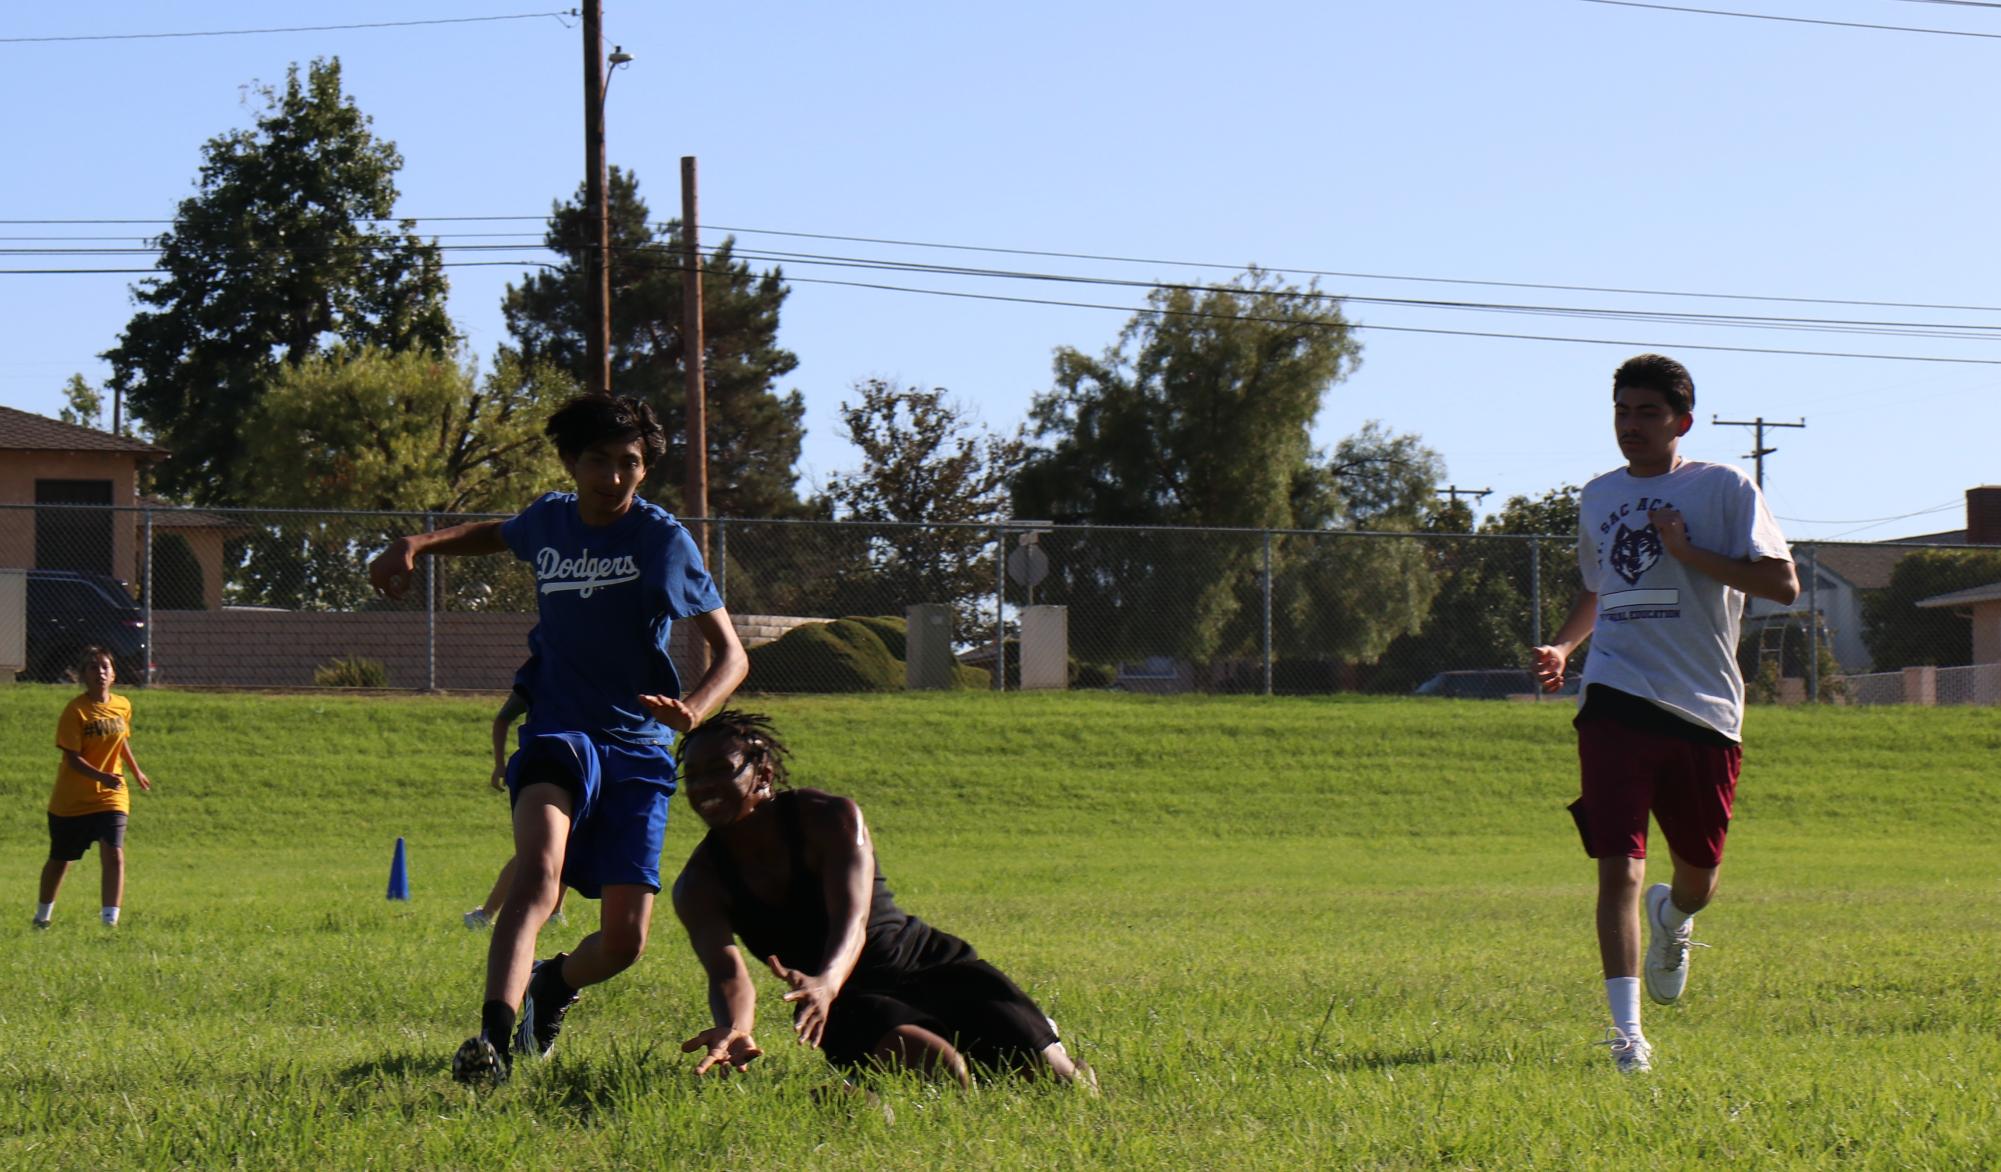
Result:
x=1267 y=593
x=1000 y=610
x=1535 y=600
x=146 y=593
x=723 y=559
x=1812 y=626
x=430 y=614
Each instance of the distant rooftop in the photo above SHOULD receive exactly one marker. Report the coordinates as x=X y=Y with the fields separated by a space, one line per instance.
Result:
x=23 y=431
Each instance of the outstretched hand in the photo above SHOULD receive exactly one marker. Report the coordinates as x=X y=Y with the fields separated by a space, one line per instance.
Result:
x=1549 y=665
x=729 y=1050
x=671 y=712
x=392 y=569
x=813 y=998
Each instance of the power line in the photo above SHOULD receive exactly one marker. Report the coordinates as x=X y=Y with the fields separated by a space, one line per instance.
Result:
x=1360 y=276
x=1815 y=325
x=1276 y=270
x=1849 y=326
x=1888 y=28
x=525 y=262
x=306 y=28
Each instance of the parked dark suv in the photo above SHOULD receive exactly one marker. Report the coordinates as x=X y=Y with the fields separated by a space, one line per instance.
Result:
x=69 y=610
x=1490 y=684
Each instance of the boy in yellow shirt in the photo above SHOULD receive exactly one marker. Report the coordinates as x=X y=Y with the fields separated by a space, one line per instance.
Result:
x=91 y=801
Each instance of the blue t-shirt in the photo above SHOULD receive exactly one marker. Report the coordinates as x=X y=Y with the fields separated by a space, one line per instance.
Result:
x=606 y=599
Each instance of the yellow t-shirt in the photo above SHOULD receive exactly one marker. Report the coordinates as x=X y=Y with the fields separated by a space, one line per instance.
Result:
x=94 y=732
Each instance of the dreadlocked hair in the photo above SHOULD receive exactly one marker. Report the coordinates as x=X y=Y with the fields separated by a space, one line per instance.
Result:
x=761 y=745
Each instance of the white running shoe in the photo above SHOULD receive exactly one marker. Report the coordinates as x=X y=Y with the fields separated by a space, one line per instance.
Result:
x=477 y=919
x=1632 y=1054
x=1666 y=966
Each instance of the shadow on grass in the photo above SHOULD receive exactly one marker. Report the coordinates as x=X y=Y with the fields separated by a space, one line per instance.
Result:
x=395 y=1067
x=1379 y=1059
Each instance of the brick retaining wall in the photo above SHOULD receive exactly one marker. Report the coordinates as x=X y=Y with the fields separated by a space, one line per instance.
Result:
x=280 y=649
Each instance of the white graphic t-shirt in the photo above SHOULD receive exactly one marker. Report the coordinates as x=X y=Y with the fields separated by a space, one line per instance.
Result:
x=1664 y=632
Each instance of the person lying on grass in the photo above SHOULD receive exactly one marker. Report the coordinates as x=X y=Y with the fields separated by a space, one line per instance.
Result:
x=793 y=874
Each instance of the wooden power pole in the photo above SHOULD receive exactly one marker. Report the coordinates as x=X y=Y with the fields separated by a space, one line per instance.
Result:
x=597 y=267
x=693 y=348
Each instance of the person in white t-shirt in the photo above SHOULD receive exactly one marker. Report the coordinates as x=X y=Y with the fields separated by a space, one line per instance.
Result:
x=1668 y=549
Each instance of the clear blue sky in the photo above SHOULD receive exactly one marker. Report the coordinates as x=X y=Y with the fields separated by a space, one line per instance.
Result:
x=1550 y=142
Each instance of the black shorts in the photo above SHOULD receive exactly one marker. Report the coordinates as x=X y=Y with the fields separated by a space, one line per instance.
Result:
x=70 y=837
x=969 y=1003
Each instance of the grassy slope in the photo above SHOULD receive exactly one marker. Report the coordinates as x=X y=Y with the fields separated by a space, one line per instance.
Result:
x=1343 y=932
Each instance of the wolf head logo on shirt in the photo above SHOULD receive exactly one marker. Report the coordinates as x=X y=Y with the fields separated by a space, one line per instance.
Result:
x=585 y=574
x=1634 y=552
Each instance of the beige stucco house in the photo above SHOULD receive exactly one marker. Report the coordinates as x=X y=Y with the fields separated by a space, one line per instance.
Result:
x=46 y=462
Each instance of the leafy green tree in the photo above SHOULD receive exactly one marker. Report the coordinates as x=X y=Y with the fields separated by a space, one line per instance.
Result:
x=925 y=465
x=411 y=433
x=1200 y=416
x=1482 y=616
x=754 y=433
x=277 y=257
x=85 y=403
x=1901 y=634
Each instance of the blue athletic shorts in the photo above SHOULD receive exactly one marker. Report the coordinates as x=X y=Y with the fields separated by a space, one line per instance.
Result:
x=619 y=799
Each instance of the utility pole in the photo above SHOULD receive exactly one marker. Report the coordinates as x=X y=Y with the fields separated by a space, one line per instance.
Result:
x=1758 y=450
x=597 y=268
x=1453 y=492
x=693 y=347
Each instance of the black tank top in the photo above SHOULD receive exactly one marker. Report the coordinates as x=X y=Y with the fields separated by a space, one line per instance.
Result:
x=895 y=943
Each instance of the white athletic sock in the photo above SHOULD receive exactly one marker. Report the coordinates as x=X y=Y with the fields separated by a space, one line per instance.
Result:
x=110 y=915
x=45 y=910
x=1622 y=994
x=1673 y=917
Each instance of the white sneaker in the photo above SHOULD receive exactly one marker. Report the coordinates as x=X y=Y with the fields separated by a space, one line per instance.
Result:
x=477 y=919
x=1666 y=966
x=1632 y=1054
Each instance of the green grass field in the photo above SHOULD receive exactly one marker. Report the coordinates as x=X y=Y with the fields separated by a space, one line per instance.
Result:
x=1287 y=933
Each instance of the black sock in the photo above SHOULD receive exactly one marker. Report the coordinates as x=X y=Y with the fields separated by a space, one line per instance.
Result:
x=496 y=1024
x=554 y=976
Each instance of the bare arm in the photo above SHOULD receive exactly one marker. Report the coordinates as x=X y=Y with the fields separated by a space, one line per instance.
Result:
x=76 y=762
x=391 y=570
x=732 y=997
x=1768 y=578
x=847 y=872
x=1551 y=657
x=502 y=721
x=728 y=665
x=138 y=774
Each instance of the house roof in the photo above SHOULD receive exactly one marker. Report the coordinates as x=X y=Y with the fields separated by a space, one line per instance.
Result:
x=1865 y=567
x=172 y=516
x=23 y=431
x=1988 y=593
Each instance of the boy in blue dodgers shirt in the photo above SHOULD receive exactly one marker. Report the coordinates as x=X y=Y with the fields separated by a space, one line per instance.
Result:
x=594 y=772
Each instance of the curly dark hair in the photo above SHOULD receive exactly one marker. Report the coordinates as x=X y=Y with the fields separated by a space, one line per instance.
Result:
x=761 y=745
x=1661 y=374
x=593 y=419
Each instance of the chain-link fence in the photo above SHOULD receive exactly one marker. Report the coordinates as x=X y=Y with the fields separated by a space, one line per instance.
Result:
x=277 y=598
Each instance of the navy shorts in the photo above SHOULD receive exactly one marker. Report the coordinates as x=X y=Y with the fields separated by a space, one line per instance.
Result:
x=70 y=837
x=619 y=799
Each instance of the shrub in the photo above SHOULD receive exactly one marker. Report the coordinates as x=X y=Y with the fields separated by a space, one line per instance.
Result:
x=845 y=655
x=351 y=671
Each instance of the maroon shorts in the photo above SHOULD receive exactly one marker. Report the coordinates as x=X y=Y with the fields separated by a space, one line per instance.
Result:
x=1629 y=773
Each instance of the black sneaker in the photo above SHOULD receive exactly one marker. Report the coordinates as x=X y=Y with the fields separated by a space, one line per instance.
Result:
x=543 y=1008
x=480 y=1062
x=41 y=924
